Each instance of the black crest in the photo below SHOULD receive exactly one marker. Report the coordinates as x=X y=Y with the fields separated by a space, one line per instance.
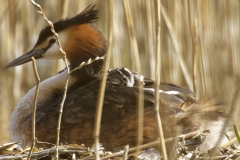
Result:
x=86 y=16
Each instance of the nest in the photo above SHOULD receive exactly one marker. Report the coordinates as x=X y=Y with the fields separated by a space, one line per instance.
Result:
x=183 y=147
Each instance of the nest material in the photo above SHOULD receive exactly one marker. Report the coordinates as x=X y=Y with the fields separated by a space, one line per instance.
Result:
x=185 y=148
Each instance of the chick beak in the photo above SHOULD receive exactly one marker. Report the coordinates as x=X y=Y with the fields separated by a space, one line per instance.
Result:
x=27 y=57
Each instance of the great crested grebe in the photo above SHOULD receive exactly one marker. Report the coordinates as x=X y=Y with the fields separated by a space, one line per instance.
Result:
x=81 y=41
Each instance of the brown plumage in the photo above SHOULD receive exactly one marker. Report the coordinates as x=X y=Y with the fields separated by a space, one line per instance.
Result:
x=81 y=41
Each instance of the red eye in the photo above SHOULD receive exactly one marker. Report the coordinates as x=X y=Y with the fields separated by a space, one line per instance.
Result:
x=52 y=41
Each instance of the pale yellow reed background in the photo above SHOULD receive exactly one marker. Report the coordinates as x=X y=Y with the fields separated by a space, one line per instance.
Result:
x=207 y=34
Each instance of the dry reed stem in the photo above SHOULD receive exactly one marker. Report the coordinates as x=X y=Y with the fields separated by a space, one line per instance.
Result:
x=66 y=85
x=73 y=156
x=34 y=107
x=198 y=58
x=87 y=63
x=175 y=44
x=103 y=83
x=231 y=142
x=125 y=152
x=133 y=41
x=172 y=154
x=150 y=39
x=157 y=82
x=40 y=142
x=195 y=55
x=132 y=35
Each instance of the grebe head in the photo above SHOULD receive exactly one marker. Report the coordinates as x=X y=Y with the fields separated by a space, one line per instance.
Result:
x=79 y=39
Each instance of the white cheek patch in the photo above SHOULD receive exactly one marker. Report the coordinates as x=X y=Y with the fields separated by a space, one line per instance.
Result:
x=53 y=52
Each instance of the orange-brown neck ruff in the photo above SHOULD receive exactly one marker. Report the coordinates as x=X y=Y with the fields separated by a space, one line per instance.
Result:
x=84 y=42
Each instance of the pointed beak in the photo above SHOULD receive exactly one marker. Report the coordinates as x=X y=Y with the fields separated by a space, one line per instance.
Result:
x=27 y=57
